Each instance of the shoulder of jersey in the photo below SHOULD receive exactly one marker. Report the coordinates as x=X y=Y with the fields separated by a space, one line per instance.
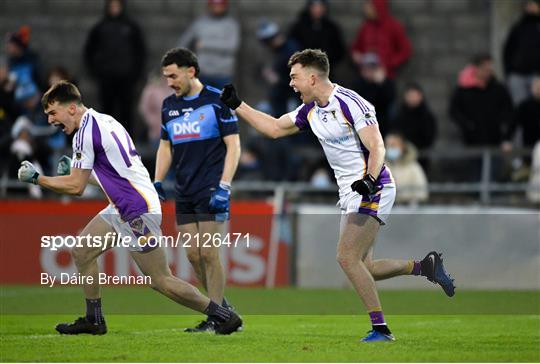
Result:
x=169 y=98
x=213 y=89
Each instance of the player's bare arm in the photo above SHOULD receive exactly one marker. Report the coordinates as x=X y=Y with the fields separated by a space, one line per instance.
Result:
x=73 y=184
x=373 y=141
x=163 y=163
x=163 y=160
x=232 y=157
x=264 y=123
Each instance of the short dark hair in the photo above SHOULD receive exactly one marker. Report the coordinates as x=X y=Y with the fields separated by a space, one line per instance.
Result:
x=182 y=57
x=63 y=92
x=481 y=58
x=315 y=58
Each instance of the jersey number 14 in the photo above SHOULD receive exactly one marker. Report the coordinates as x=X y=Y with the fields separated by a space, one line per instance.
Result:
x=132 y=151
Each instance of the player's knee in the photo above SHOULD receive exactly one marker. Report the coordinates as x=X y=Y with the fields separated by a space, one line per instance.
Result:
x=210 y=256
x=344 y=260
x=81 y=256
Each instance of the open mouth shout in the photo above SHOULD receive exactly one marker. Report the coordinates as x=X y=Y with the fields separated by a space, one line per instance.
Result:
x=60 y=125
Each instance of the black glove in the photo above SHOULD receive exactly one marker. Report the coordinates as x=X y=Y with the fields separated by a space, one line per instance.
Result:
x=229 y=97
x=366 y=186
x=160 y=191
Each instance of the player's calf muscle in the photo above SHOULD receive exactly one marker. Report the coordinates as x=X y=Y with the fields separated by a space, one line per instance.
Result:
x=210 y=255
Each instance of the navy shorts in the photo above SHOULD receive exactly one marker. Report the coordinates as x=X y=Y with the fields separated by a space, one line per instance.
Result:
x=193 y=210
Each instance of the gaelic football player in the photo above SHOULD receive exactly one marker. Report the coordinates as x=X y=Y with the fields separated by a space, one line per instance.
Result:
x=104 y=151
x=346 y=126
x=199 y=140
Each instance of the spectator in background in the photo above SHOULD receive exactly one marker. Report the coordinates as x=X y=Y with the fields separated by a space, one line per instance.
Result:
x=383 y=35
x=533 y=192
x=521 y=54
x=47 y=142
x=414 y=119
x=115 y=55
x=314 y=29
x=29 y=135
x=528 y=117
x=8 y=113
x=8 y=107
x=277 y=74
x=59 y=73
x=215 y=39
x=481 y=105
x=153 y=94
x=411 y=181
x=249 y=166
x=374 y=86
x=321 y=174
x=24 y=64
x=277 y=163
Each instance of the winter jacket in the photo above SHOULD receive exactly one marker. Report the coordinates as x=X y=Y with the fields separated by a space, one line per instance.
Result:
x=28 y=69
x=280 y=64
x=324 y=34
x=482 y=112
x=115 y=49
x=411 y=181
x=522 y=48
x=384 y=36
x=418 y=125
x=381 y=95
x=216 y=41
x=528 y=118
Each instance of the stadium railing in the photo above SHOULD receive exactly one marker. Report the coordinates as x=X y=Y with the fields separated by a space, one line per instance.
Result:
x=443 y=166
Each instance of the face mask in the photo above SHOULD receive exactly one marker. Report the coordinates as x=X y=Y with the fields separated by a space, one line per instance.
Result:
x=320 y=180
x=393 y=154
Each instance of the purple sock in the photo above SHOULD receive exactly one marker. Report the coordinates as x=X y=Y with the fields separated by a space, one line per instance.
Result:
x=377 y=318
x=416 y=271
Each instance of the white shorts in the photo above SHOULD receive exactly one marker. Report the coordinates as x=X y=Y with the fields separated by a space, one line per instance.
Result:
x=136 y=229
x=379 y=206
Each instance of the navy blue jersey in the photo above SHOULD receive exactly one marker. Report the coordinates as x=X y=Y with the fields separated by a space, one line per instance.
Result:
x=195 y=126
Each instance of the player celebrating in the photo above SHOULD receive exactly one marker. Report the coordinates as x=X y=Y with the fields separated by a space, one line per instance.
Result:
x=103 y=152
x=347 y=129
x=199 y=138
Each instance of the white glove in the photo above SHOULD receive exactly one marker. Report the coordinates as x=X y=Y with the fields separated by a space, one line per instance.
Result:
x=28 y=173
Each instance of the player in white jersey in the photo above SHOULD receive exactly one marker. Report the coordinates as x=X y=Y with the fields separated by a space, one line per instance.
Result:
x=346 y=126
x=103 y=154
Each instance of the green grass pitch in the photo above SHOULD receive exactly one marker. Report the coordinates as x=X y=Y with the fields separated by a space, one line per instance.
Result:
x=281 y=325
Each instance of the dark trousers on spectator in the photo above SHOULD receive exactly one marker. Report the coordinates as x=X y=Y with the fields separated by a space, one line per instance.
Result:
x=117 y=99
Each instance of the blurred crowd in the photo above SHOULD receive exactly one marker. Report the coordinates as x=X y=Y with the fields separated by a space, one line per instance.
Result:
x=501 y=114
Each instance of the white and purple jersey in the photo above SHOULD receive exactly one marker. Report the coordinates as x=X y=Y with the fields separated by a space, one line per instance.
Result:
x=336 y=126
x=103 y=145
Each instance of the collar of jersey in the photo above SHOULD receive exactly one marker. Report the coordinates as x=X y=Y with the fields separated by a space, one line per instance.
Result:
x=188 y=98
x=329 y=98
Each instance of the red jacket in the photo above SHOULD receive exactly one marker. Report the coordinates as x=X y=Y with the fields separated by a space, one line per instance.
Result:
x=384 y=36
